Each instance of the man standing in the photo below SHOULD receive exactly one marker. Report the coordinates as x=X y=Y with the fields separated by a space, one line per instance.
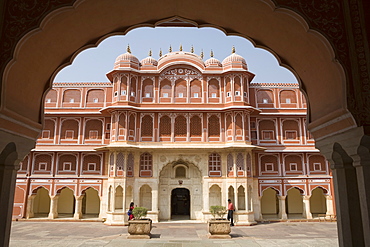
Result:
x=230 y=212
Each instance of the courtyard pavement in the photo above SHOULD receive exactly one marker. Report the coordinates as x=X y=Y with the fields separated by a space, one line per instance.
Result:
x=171 y=234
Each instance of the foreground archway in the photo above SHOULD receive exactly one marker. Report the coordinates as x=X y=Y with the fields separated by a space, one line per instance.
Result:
x=60 y=39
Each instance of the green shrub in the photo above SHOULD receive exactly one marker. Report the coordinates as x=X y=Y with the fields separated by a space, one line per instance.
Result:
x=218 y=210
x=139 y=212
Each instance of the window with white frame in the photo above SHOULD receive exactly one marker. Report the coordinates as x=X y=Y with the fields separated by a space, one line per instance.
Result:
x=213 y=95
x=147 y=95
x=93 y=134
x=317 y=166
x=133 y=94
x=69 y=134
x=42 y=166
x=228 y=94
x=245 y=94
x=291 y=134
x=269 y=167
x=181 y=95
x=48 y=100
x=67 y=166
x=196 y=95
x=72 y=100
x=265 y=101
x=95 y=100
x=45 y=134
x=293 y=166
x=91 y=166
x=287 y=100
x=165 y=95
x=237 y=93
x=115 y=93
x=123 y=92
x=267 y=134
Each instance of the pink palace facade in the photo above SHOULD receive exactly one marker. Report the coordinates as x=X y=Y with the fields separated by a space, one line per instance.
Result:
x=177 y=136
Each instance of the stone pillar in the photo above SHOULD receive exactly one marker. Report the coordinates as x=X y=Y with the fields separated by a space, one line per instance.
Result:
x=13 y=149
x=282 y=208
x=53 y=207
x=205 y=197
x=257 y=209
x=29 y=211
x=329 y=206
x=361 y=162
x=306 y=207
x=155 y=199
x=340 y=150
x=78 y=207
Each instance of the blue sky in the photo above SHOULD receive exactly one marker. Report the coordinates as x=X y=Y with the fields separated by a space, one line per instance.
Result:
x=92 y=64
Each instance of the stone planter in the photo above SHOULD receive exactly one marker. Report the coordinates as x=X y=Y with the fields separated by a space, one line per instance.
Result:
x=139 y=228
x=219 y=228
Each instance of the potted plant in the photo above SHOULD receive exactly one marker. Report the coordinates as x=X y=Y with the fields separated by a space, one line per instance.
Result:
x=139 y=227
x=218 y=227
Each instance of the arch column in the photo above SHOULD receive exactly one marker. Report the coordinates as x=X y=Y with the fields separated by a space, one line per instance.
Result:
x=349 y=186
x=13 y=149
x=29 y=210
x=78 y=207
x=282 y=208
x=53 y=207
x=306 y=207
x=329 y=206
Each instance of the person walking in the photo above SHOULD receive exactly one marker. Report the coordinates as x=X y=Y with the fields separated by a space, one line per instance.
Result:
x=230 y=212
x=129 y=213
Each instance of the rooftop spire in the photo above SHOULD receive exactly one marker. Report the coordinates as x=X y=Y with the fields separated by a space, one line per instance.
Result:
x=201 y=54
x=150 y=52
x=211 y=53
x=160 y=52
x=192 y=49
x=233 y=49
x=180 y=47
x=170 y=49
x=128 y=49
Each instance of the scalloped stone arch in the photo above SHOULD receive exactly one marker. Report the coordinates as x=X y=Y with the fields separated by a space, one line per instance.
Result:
x=60 y=40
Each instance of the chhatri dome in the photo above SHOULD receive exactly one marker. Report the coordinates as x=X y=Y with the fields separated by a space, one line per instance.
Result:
x=234 y=60
x=212 y=62
x=126 y=60
x=149 y=61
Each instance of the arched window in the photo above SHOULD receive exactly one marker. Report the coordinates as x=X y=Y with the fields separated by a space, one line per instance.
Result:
x=130 y=165
x=180 y=172
x=180 y=126
x=230 y=164
x=195 y=126
x=165 y=126
x=240 y=165
x=213 y=126
x=120 y=162
x=146 y=165
x=147 y=126
x=214 y=165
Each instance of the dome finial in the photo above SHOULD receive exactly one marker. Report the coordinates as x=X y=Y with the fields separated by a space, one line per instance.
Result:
x=160 y=52
x=211 y=53
x=192 y=49
x=128 y=48
x=170 y=49
x=180 y=47
x=233 y=49
x=202 y=54
x=150 y=52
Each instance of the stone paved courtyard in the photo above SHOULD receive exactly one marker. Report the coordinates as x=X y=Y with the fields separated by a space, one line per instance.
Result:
x=170 y=234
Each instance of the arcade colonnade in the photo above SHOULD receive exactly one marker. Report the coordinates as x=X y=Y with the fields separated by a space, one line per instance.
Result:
x=325 y=46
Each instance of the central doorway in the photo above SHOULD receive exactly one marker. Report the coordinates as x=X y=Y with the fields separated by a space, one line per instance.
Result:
x=180 y=204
